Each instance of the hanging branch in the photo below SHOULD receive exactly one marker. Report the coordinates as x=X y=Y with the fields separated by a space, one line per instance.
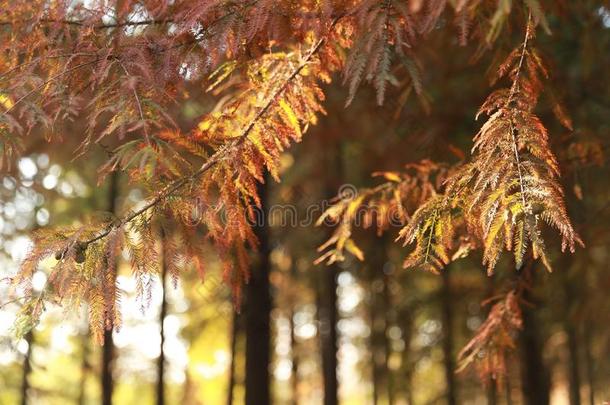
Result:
x=81 y=252
x=218 y=155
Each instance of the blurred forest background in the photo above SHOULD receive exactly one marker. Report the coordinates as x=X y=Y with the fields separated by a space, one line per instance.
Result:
x=356 y=332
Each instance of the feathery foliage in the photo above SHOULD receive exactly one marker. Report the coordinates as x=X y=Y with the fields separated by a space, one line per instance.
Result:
x=122 y=68
x=512 y=184
x=412 y=200
x=273 y=101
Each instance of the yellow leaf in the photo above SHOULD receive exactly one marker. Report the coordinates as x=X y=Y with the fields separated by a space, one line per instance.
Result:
x=291 y=117
x=353 y=249
x=391 y=176
x=6 y=101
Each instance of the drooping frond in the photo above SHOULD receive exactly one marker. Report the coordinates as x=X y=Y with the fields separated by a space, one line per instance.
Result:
x=432 y=229
x=495 y=338
x=122 y=71
x=381 y=33
x=79 y=273
x=512 y=184
x=412 y=197
x=276 y=99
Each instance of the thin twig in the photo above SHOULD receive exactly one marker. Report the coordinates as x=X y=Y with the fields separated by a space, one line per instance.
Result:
x=513 y=91
x=49 y=80
x=83 y=23
x=138 y=103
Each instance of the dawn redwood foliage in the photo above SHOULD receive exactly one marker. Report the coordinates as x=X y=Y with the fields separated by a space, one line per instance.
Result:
x=122 y=66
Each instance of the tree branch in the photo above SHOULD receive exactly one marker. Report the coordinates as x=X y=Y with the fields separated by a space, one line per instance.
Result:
x=513 y=90
x=221 y=153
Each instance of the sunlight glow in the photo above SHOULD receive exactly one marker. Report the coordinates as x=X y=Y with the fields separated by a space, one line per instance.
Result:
x=27 y=167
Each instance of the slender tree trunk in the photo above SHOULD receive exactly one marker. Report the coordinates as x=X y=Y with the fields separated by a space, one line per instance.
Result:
x=571 y=329
x=373 y=350
x=375 y=372
x=295 y=360
x=491 y=393
x=232 y=366
x=327 y=302
x=258 y=315
x=379 y=308
x=589 y=364
x=328 y=317
x=107 y=363
x=492 y=384
x=27 y=368
x=534 y=375
x=535 y=382
x=447 y=319
x=573 y=364
x=108 y=348
x=162 y=314
x=387 y=307
x=406 y=318
x=508 y=391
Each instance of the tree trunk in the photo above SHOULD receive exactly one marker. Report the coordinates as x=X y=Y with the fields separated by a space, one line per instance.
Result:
x=108 y=348
x=328 y=317
x=447 y=319
x=405 y=317
x=162 y=314
x=492 y=383
x=27 y=368
x=535 y=382
x=589 y=364
x=387 y=309
x=573 y=364
x=375 y=372
x=258 y=315
x=571 y=329
x=508 y=391
x=491 y=393
x=534 y=376
x=379 y=308
x=234 y=335
x=295 y=360
x=107 y=366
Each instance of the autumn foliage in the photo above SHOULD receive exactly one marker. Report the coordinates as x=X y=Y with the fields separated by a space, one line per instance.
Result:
x=123 y=68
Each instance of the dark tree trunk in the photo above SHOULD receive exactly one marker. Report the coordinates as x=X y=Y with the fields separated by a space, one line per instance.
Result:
x=535 y=382
x=573 y=364
x=447 y=319
x=107 y=366
x=589 y=364
x=534 y=375
x=328 y=317
x=162 y=314
x=234 y=336
x=508 y=391
x=294 y=382
x=106 y=376
x=388 y=308
x=491 y=393
x=492 y=384
x=380 y=308
x=405 y=317
x=258 y=315
x=373 y=343
x=571 y=329
x=27 y=368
